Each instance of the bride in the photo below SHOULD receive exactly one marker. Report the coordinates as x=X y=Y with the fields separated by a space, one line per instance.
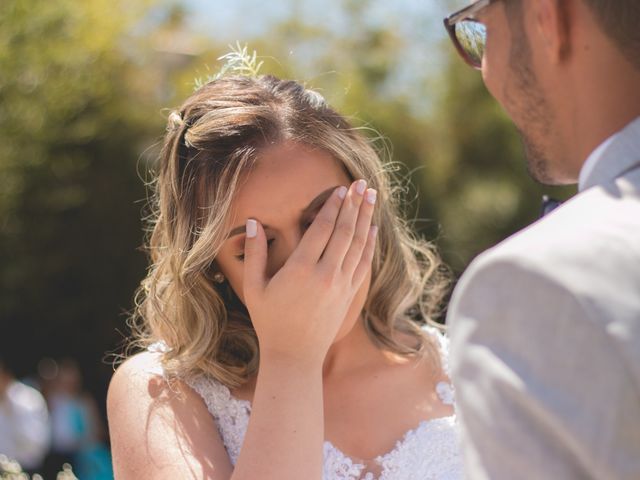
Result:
x=285 y=315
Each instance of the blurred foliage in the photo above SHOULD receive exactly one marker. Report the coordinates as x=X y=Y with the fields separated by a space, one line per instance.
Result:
x=82 y=91
x=75 y=113
x=11 y=470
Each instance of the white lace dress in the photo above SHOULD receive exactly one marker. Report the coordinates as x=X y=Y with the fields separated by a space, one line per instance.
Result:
x=430 y=451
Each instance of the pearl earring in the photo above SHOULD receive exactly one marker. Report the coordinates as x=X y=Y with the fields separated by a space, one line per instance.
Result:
x=218 y=277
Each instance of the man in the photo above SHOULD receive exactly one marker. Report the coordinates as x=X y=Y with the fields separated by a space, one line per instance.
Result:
x=545 y=327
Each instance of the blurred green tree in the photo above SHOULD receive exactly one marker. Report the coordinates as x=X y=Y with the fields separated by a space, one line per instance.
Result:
x=77 y=108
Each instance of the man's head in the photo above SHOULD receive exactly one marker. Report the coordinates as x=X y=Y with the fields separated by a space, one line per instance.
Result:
x=566 y=71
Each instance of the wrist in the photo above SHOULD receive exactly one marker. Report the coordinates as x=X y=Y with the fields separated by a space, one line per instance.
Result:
x=289 y=363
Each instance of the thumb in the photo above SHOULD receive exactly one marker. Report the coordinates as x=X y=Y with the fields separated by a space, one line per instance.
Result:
x=255 y=258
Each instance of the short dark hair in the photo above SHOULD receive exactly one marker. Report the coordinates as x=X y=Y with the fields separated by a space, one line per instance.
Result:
x=620 y=21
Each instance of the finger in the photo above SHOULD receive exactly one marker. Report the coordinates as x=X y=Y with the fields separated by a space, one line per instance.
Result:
x=255 y=258
x=361 y=233
x=345 y=226
x=317 y=235
x=367 y=257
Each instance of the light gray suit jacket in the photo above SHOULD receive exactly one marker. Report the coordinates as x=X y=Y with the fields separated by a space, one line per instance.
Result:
x=545 y=337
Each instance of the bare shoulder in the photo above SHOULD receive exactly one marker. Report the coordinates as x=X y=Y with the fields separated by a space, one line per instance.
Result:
x=143 y=365
x=159 y=430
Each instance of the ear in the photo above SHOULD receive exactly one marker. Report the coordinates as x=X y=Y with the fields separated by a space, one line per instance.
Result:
x=552 y=27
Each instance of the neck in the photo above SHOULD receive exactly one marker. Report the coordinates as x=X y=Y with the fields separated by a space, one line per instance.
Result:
x=606 y=114
x=597 y=97
x=351 y=352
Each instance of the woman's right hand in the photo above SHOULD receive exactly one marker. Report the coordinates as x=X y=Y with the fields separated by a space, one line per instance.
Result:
x=298 y=312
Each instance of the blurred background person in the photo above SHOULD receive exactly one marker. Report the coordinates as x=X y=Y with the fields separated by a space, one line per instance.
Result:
x=25 y=429
x=77 y=431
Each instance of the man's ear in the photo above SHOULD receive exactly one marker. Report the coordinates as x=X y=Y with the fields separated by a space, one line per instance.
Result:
x=552 y=26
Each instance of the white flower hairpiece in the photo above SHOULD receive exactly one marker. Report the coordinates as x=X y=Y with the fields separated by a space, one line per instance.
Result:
x=237 y=62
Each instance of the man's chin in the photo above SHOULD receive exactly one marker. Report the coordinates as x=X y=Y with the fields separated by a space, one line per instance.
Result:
x=538 y=163
x=540 y=171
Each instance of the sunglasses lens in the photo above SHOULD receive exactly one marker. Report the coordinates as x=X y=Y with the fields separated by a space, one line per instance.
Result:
x=472 y=37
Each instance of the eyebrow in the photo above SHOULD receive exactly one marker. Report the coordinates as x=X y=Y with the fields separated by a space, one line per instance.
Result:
x=313 y=204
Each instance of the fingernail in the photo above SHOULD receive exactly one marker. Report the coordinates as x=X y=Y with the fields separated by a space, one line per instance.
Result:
x=360 y=186
x=371 y=196
x=374 y=230
x=342 y=192
x=252 y=228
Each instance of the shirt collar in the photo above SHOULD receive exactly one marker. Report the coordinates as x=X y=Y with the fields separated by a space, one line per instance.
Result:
x=592 y=161
x=621 y=150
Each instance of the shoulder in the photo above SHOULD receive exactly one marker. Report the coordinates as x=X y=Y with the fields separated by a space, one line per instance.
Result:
x=587 y=250
x=570 y=282
x=141 y=381
x=159 y=428
x=594 y=222
x=137 y=385
x=140 y=370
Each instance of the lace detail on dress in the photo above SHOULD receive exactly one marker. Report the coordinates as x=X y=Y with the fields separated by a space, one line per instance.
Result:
x=443 y=345
x=446 y=393
x=231 y=414
x=430 y=451
x=158 y=347
x=445 y=390
x=338 y=466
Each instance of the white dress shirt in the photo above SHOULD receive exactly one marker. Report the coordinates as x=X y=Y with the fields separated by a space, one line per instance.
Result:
x=632 y=129
x=25 y=433
x=593 y=159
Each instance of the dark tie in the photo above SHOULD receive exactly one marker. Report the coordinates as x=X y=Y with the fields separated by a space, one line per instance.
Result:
x=549 y=205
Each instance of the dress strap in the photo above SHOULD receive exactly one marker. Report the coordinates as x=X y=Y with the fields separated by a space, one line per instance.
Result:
x=444 y=390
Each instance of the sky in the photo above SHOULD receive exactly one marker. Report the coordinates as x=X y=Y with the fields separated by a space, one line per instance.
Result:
x=418 y=22
x=231 y=19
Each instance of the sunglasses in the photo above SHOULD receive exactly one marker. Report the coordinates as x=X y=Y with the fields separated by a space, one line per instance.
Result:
x=468 y=34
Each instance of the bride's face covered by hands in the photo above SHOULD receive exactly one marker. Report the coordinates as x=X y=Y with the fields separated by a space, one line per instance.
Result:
x=284 y=191
x=233 y=151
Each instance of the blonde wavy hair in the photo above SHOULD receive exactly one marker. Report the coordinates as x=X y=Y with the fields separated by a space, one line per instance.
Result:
x=211 y=142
